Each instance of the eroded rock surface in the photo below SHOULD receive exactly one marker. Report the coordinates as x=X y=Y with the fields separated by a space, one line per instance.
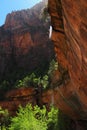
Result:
x=69 y=21
x=24 y=42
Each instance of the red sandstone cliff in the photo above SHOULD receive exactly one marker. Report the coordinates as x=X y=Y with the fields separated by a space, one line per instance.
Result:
x=24 y=42
x=69 y=21
x=69 y=37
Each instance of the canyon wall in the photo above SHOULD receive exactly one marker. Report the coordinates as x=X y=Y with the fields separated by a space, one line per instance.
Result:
x=69 y=22
x=24 y=43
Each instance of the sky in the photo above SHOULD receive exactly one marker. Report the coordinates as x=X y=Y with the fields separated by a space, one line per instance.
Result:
x=7 y=6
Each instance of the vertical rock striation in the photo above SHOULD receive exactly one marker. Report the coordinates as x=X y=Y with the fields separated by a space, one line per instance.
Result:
x=69 y=21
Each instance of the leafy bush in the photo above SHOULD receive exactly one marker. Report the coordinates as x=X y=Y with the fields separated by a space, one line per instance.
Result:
x=52 y=67
x=35 y=81
x=4 y=118
x=30 y=118
x=27 y=81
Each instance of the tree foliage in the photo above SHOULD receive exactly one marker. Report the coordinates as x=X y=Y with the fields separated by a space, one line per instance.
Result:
x=34 y=118
x=35 y=81
x=4 y=119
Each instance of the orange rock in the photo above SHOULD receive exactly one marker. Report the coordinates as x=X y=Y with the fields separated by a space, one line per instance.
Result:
x=69 y=21
x=24 y=42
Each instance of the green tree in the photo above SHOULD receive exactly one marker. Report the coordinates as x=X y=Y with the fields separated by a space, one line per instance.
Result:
x=33 y=118
x=35 y=81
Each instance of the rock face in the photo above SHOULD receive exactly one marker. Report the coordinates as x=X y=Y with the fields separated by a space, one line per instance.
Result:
x=69 y=21
x=14 y=98
x=24 y=42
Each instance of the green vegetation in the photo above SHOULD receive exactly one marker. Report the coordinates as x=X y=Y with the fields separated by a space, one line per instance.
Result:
x=52 y=67
x=34 y=118
x=4 y=119
x=32 y=80
x=35 y=81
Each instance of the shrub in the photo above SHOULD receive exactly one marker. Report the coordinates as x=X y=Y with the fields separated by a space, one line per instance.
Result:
x=26 y=81
x=35 y=81
x=52 y=67
x=4 y=118
x=33 y=118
